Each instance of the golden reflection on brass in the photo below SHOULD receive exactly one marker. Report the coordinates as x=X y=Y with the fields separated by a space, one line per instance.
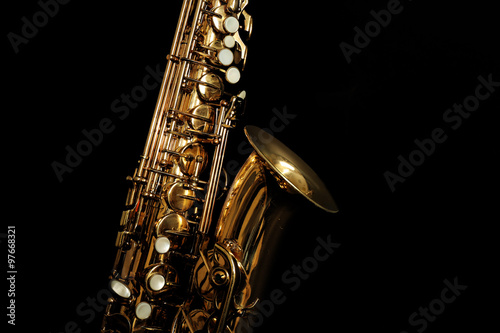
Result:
x=179 y=268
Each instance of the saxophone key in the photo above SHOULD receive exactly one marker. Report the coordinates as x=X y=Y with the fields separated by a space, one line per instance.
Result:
x=210 y=87
x=120 y=288
x=171 y=224
x=202 y=118
x=179 y=197
x=193 y=159
x=225 y=57
x=233 y=75
x=224 y=22
x=242 y=95
x=156 y=282
x=162 y=278
x=231 y=24
x=143 y=310
x=229 y=41
x=162 y=244
x=220 y=52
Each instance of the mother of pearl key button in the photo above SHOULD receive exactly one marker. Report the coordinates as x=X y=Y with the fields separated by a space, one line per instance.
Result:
x=143 y=310
x=231 y=24
x=225 y=57
x=233 y=75
x=229 y=41
x=156 y=282
x=162 y=244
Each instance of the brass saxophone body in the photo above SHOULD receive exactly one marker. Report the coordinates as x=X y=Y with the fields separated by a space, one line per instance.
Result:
x=178 y=268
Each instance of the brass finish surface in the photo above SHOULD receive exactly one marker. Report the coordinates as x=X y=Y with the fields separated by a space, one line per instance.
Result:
x=291 y=168
x=180 y=267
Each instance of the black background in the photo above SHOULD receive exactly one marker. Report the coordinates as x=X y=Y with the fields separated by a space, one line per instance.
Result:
x=352 y=121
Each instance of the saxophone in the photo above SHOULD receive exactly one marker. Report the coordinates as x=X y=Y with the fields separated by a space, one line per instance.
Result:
x=178 y=268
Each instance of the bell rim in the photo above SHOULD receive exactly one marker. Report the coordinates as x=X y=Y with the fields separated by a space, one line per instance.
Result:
x=318 y=193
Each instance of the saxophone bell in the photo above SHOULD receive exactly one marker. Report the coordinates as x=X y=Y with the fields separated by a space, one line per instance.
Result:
x=259 y=205
x=179 y=268
x=290 y=168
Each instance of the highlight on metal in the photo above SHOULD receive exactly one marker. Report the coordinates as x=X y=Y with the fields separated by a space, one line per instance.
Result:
x=180 y=265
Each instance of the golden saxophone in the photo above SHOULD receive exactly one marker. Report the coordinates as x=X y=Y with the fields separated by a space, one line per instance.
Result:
x=177 y=268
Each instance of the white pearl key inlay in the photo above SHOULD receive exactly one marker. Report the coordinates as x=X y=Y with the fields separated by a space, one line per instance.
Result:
x=231 y=24
x=225 y=57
